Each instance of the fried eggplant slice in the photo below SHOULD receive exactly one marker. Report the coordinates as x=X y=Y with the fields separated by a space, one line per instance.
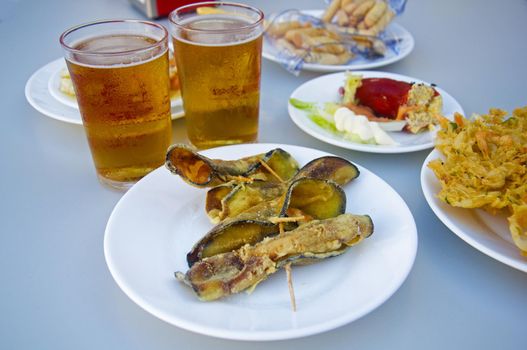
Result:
x=213 y=201
x=201 y=171
x=332 y=168
x=230 y=236
x=244 y=196
x=309 y=198
x=228 y=201
x=229 y=273
x=318 y=199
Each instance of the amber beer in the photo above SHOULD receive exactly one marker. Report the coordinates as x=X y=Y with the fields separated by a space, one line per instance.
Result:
x=124 y=102
x=218 y=57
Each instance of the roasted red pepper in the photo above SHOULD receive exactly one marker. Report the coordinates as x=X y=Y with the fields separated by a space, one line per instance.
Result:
x=384 y=96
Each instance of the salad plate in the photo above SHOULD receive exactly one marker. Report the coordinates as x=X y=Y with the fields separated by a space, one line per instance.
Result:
x=325 y=89
x=159 y=219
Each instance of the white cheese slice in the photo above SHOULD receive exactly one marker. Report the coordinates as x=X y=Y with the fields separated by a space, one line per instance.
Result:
x=381 y=137
x=359 y=126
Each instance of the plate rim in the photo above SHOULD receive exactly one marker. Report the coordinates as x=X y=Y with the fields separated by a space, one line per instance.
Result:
x=300 y=123
x=264 y=335
x=30 y=84
x=427 y=174
x=313 y=67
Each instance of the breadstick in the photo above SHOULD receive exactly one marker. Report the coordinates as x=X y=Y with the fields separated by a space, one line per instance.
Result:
x=285 y=45
x=360 y=11
x=291 y=34
x=363 y=8
x=317 y=43
x=353 y=21
x=331 y=10
x=381 y=24
x=328 y=58
x=279 y=29
x=325 y=44
x=342 y=18
x=375 y=13
x=349 y=8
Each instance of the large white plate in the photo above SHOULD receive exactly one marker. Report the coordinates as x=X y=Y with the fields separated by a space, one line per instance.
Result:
x=38 y=94
x=159 y=219
x=325 y=89
x=487 y=233
x=405 y=46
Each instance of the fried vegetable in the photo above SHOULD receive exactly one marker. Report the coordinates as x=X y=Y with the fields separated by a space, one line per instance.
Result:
x=332 y=168
x=221 y=204
x=314 y=198
x=201 y=171
x=229 y=236
x=485 y=166
x=213 y=201
x=228 y=201
x=309 y=198
x=235 y=271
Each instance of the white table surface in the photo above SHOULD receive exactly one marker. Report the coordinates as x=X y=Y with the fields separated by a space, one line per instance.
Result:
x=56 y=291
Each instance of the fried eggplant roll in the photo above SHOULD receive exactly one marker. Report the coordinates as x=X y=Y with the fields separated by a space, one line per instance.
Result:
x=201 y=171
x=305 y=198
x=229 y=200
x=228 y=273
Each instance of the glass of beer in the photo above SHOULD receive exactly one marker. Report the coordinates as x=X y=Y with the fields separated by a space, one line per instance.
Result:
x=119 y=70
x=218 y=50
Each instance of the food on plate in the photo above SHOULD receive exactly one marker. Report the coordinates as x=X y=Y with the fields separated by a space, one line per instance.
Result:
x=366 y=17
x=314 y=41
x=369 y=108
x=357 y=125
x=242 y=269
x=200 y=171
x=258 y=200
x=304 y=200
x=484 y=165
x=385 y=99
x=348 y=124
x=66 y=85
x=312 y=44
x=229 y=200
x=332 y=168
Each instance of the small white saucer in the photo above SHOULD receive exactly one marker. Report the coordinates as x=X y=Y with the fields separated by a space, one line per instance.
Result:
x=39 y=95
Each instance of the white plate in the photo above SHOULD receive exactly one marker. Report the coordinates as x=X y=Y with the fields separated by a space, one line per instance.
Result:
x=405 y=46
x=487 y=233
x=159 y=219
x=39 y=96
x=54 y=90
x=325 y=89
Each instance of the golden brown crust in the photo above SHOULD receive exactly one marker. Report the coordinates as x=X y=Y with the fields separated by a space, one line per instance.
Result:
x=331 y=10
x=368 y=17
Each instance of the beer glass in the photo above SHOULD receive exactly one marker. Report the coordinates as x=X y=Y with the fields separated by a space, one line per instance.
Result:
x=119 y=70
x=218 y=50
